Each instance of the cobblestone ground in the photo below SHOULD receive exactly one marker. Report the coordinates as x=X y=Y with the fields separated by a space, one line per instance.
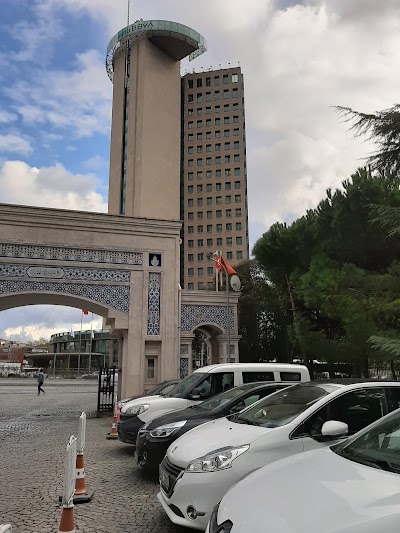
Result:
x=34 y=431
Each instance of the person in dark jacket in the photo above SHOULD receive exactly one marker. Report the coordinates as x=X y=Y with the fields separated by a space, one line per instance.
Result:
x=40 y=380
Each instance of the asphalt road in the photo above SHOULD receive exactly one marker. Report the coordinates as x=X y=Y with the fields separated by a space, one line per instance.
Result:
x=34 y=431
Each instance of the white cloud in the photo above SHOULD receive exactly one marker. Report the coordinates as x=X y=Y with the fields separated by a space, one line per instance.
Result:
x=6 y=117
x=97 y=162
x=80 y=100
x=12 y=142
x=49 y=187
x=33 y=322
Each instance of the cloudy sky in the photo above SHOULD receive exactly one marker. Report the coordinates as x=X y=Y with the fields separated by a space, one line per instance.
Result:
x=299 y=59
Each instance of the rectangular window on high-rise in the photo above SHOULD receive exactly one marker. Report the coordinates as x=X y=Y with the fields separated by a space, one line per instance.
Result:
x=238 y=226
x=199 y=149
x=227 y=185
x=210 y=270
x=200 y=286
x=218 y=213
x=209 y=228
x=190 y=216
x=190 y=137
x=190 y=84
x=218 y=147
x=218 y=109
x=190 y=112
x=228 y=213
x=228 y=226
x=237 y=171
x=190 y=98
x=190 y=257
x=199 y=243
x=227 y=120
x=218 y=186
x=229 y=255
x=199 y=175
x=200 y=271
x=217 y=95
x=235 y=93
x=190 y=244
x=199 y=97
x=218 y=173
x=190 y=202
x=190 y=271
x=199 y=82
x=236 y=132
x=226 y=93
x=235 y=78
x=208 y=148
x=190 y=176
x=208 y=135
x=236 y=119
x=199 y=229
x=190 y=189
x=199 y=110
x=200 y=136
x=208 y=110
x=227 y=133
x=218 y=200
x=209 y=174
x=217 y=80
x=208 y=97
x=208 y=161
x=229 y=241
x=209 y=242
x=190 y=286
x=226 y=78
x=200 y=257
x=190 y=124
x=226 y=108
x=217 y=134
x=219 y=228
x=219 y=240
x=199 y=201
x=199 y=123
x=199 y=162
x=190 y=229
x=217 y=121
x=190 y=149
x=209 y=187
x=227 y=159
x=218 y=160
x=236 y=158
x=228 y=199
x=209 y=213
x=238 y=198
x=238 y=240
x=209 y=200
x=199 y=188
x=238 y=212
x=239 y=255
x=208 y=82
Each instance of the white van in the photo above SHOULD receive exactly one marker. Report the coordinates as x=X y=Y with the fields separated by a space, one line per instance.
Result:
x=199 y=386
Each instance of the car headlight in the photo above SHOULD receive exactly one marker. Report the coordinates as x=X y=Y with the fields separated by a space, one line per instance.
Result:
x=217 y=460
x=213 y=526
x=167 y=430
x=137 y=409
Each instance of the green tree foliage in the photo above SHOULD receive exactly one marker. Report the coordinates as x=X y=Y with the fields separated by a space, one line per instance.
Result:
x=262 y=317
x=383 y=128
x=333 y=268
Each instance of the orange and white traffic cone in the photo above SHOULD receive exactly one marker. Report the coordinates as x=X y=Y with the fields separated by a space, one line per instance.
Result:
x=67 y=524
x=114 y=434
x=80 y=485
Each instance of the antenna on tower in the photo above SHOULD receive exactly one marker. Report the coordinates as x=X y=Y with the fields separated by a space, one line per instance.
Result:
x=129 y=5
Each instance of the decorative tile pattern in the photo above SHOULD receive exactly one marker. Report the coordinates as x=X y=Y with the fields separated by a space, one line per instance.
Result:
x=184 y=367
x=193 y=316
x=77 y=274
x=113 y=296
x=154 y=295
x=154 y=260
x=184 y=349
x=28 y=251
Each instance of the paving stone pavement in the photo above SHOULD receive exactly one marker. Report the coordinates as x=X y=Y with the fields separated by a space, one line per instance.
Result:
x=34 y=431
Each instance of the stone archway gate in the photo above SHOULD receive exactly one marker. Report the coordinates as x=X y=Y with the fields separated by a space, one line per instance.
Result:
x=122 y=268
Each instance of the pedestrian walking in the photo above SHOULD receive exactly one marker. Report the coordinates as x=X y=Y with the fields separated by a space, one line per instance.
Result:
x=40 y=380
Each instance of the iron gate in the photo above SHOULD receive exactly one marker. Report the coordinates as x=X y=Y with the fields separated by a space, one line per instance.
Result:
x=107 y=389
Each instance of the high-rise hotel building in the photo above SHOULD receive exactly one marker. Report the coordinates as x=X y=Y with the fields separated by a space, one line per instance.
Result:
x=213 y=174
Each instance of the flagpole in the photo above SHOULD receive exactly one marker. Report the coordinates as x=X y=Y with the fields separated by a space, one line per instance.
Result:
x=228 y=325
x=90 y=345
x=80 y=343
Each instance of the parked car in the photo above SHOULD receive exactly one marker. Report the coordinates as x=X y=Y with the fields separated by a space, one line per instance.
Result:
x=202 y=465
x=155 y=437
x=352 y=487
x=199 y=386
x=162 y=388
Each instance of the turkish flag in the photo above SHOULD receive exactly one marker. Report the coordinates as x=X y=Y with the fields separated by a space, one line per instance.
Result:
x=85 y=312
x=221 y=263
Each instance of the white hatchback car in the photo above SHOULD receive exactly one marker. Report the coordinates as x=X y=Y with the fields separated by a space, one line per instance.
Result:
x=352 y=487
x=202 y=465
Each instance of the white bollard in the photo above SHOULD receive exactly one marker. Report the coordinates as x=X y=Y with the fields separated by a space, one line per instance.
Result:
x=6 y=528
x=67 y=517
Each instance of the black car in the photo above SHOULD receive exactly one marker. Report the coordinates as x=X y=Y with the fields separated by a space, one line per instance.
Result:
x=164 y=387
x=155 y=437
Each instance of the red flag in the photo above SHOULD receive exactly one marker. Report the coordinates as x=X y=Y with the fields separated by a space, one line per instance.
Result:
x=221 y=263
x=85 y=312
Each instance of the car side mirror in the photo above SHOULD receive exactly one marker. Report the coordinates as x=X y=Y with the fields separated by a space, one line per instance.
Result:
x=195 y=395
x=334 y=429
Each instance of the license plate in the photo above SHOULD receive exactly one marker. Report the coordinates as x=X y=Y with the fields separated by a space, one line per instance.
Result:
x=164 y=479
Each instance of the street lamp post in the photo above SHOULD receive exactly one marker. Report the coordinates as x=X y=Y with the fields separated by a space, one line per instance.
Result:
x=228 y=325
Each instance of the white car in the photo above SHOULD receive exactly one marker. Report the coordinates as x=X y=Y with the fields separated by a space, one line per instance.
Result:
x=353 y=487
x=202 y=465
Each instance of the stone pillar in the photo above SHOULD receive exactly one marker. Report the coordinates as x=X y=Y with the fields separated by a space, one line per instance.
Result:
x=222 y=340
x=186 y=355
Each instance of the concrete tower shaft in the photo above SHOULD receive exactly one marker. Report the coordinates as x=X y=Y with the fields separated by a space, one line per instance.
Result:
x=143 y=62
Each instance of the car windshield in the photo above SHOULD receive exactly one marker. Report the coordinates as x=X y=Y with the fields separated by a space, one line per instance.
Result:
x=184 y=386
x=220 y=399
x=378 y=447
x=282 y=407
